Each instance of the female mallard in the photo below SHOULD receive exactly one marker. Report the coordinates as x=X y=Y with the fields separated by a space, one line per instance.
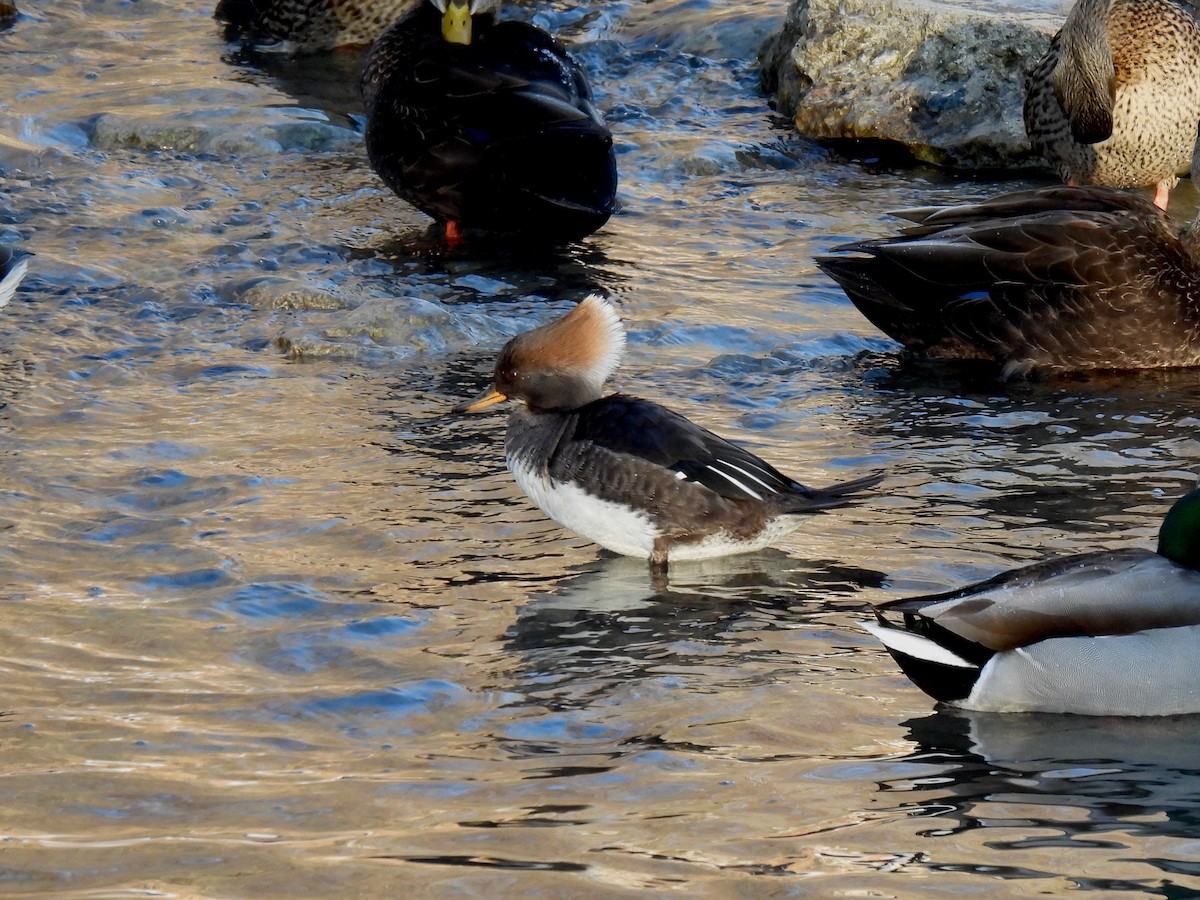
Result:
x=1110 y=633
x=487 y=125
x=1116 y=98
x=1051 y=280
x=309 y=26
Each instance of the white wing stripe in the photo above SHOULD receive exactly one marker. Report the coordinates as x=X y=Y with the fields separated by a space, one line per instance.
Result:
x=750 y=475
x=734 y=482
x=916 y=646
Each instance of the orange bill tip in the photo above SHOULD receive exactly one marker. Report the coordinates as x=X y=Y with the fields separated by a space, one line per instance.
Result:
x=488 y=398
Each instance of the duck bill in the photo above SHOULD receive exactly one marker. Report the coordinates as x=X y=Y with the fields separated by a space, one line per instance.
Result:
x=456 y=22
x=490 y=397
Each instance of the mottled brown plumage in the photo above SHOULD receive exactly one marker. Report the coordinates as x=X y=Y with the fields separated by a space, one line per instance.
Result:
x=1051 y=280
x=310 y=26
x=1115 y=101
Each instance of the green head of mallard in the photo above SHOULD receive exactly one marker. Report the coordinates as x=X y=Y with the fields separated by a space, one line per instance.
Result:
x=456 y=17
x=1179 y=537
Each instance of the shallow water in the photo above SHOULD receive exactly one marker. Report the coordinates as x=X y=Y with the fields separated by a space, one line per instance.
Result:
x=276 y=624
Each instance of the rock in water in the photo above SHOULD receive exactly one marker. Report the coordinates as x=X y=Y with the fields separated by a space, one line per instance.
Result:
x=948 y=83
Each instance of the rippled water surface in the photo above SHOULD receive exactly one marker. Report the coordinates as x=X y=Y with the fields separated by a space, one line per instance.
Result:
x=275 y=624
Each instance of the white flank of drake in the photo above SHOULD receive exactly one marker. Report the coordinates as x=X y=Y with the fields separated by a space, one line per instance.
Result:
x=916 y=646
x=1150 y=673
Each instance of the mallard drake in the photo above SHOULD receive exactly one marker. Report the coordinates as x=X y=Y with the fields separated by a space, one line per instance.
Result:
x=1110 y=633
x=487 y=125
x=1116 y=98
x=13 y=265
x=309 y=26
x=1050 y=280
x=628 y=474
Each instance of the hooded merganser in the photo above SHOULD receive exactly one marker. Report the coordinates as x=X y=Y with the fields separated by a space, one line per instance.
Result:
x=1115 y=99
x=626 y=473
x=1108 y=633
x=1050 y=280
x=487 y=125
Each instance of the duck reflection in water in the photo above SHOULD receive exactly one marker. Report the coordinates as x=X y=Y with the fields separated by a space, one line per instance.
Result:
x=1088 y=780
x=616 y=619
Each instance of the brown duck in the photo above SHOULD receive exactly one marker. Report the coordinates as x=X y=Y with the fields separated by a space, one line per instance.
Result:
x=1115 y=101
x=1052 y=280
x=309 y=26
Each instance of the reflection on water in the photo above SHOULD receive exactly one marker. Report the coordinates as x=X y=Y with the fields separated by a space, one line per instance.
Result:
x=618 y=620
x=274 y=622
x=1102 y=790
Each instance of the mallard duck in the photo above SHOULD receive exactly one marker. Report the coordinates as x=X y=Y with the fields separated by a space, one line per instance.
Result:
x=309 y=26
x=487 y=125
x=1111 y=633
x=1050 y=280
x=628 y=474
x=1116 y=98
x=13 y=265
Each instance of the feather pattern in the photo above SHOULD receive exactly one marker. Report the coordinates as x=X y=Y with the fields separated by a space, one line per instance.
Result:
x=13 y=266
x=309 y=26
x=1116 y=98
x=499 y=135
x=1060 y=279
x=629 y=474
x=1106 y=633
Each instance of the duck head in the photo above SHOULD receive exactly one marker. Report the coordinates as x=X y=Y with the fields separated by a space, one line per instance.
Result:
x=1179 y=537
x=560 y=365
x=456 y=17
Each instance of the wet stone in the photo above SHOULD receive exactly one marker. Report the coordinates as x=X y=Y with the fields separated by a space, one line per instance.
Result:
x=943 y=80
x=187 y=134
x=280 y=293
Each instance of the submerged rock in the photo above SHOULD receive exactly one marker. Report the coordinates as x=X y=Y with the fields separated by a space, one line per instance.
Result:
x=945 y=81
x=218 y=131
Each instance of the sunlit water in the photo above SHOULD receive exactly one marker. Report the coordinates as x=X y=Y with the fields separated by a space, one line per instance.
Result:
x=276 y=624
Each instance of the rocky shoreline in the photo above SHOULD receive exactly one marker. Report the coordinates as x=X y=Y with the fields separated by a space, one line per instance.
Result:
x=944 y=81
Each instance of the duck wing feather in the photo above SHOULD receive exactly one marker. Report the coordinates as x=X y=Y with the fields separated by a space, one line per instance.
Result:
x=1092 y=594
x=1064 y=278
x=676 y=451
